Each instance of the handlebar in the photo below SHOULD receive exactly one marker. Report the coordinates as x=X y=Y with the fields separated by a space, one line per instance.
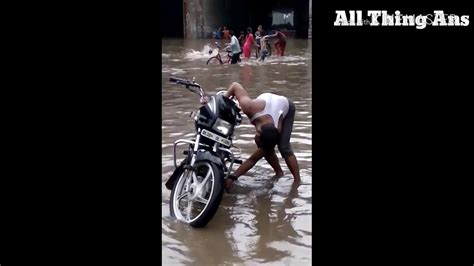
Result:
x=188 y=84
x=184 y=82
x=218 y=45
x=226 y=48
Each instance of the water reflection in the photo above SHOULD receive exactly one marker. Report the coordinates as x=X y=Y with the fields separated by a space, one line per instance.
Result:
x=263 y=221
x=273 y=224
x=246 y=76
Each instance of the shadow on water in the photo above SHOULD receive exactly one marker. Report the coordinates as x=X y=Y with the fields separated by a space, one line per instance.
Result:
x=263 y=221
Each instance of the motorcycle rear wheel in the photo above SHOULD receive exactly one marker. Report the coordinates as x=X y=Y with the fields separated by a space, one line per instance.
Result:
x=196 y=195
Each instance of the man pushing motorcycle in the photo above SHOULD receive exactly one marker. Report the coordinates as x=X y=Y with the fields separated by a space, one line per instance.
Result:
x=273 y=116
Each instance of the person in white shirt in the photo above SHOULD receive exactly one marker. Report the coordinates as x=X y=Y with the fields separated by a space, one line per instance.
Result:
x=235 y=48
x=273 y=117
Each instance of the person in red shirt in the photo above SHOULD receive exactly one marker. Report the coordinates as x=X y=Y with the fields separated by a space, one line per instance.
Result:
x=280 y=44
x=226 y=33
x=249 y=42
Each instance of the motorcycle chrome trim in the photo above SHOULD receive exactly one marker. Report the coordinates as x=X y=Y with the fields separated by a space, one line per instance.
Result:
x=179 y=141
x=174 y=148
x=214 y=148
x=196 y=147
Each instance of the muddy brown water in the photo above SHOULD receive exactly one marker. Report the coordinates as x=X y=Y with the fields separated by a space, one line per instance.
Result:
x=263 y=221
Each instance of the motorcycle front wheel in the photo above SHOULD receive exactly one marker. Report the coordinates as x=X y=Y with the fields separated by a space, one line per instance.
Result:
x=197 y=194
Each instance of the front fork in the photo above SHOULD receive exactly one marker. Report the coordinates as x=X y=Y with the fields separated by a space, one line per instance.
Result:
x=195 y=144
x=193 y=160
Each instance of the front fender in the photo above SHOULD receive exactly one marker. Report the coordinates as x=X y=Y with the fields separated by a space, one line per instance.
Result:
x=174 y=177
x=207 y=156
x=200 y=156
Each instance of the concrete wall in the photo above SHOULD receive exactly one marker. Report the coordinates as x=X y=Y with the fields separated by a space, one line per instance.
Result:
x=193 y=17
x=201 y=17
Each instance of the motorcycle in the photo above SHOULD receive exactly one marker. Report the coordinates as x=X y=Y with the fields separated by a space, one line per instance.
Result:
x=197 y=183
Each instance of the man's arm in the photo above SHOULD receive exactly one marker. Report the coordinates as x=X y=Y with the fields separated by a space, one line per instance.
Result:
x=271 y=36
x=242 y=96
x=249 y=163
x=283 y=36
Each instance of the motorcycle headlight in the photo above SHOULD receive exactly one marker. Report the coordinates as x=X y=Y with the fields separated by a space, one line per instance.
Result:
x=222 y=126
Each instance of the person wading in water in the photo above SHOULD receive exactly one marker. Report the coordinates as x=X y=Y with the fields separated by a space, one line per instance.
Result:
x=273 y=117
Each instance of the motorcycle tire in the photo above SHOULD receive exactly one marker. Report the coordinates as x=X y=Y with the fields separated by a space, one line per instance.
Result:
x=214 y=200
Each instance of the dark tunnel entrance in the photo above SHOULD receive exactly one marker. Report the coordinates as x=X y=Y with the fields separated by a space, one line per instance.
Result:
x=171 y=18
x=286 y=15
x=290 y=16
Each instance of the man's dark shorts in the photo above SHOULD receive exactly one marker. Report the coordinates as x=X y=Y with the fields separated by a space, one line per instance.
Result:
x=235 y=58
x=263 y=54
x=286 y=128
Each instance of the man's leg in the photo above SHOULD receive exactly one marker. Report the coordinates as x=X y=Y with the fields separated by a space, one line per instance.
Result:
x=277 y=48
x=272 y=159
x=235 y=57
x=284 y=143
x=282 y=47
x=263 y=54
x=293 y=166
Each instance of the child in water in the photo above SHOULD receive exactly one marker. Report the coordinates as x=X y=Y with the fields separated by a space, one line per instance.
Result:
x=258 y=36
x=263 y=46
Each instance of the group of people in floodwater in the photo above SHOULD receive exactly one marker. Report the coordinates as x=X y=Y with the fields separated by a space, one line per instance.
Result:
x=245 y=42
x=272 y=115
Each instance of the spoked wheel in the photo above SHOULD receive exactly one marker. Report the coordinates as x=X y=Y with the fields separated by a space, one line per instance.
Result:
x=214 y=60
x=197 y=194
x=229 y=58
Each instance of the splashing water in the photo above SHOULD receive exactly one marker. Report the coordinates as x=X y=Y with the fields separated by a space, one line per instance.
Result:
x=203 y=54
x=209 y=51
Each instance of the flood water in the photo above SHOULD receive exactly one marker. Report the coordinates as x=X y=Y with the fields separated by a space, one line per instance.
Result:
x=262 y=221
